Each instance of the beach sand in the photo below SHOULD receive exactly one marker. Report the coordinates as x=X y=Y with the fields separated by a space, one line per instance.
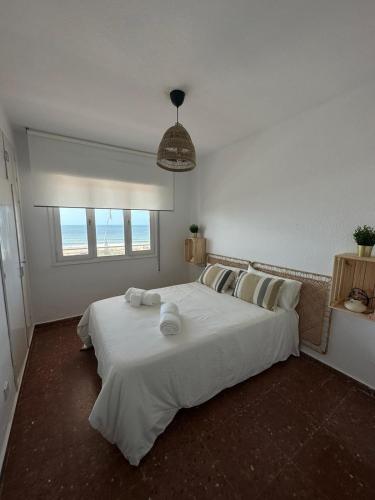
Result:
x=103 y=251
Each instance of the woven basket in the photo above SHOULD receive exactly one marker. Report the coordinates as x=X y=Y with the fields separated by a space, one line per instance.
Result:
x=176 y=150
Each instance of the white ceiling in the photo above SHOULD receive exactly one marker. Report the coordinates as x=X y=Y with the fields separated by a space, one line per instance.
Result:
x=102 y=69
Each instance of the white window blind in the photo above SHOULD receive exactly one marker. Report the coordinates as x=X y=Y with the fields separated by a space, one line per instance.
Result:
x=73 y=173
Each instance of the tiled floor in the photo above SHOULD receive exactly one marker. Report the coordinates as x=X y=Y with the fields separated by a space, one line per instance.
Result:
x=298 y=431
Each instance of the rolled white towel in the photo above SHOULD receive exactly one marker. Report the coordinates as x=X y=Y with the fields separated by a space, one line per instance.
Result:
x=151 y=299
x=136 y=299
x=170 y=324
x=169 y=307
x=131 y=290
x=170 y=320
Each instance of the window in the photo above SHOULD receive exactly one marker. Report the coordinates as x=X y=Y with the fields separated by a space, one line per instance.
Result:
x=110 y=234
x=84 y=234
x=140 y=230
x=74 y=239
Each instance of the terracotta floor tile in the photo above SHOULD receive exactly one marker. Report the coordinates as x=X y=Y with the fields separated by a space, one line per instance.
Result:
x=37 y=426
x=36 y=476
x=284 y=422
x=353 y=422
x=318 y=400
x=292 y=484
x=86 y=462
x=248 y=458
x=194 y=470
x=336 y=467
x=238 y=445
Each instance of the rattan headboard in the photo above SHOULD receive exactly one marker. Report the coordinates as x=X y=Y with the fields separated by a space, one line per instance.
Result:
x=313 y=308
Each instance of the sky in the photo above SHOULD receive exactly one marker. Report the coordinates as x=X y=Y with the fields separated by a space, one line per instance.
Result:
x=77 y=217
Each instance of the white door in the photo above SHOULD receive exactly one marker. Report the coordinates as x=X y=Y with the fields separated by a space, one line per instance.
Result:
x=11 y=169
x=11 y=277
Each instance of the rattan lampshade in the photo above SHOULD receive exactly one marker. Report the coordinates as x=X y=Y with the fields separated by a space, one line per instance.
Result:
x=176 y=151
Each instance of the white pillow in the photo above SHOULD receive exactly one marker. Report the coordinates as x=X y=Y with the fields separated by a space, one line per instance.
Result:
x=289 y=291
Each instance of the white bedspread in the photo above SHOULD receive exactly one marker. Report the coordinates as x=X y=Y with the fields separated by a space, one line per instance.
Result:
x=147 y=377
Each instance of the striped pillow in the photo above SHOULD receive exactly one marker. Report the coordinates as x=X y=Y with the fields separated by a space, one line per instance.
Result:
x=235 y=270
x=260 y=290
x=217 y=278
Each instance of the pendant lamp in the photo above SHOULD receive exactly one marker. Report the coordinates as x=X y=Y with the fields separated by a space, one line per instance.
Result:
x=176 y=151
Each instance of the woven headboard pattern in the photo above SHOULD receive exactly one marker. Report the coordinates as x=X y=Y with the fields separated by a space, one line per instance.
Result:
x=227 y=261
x=313 y=308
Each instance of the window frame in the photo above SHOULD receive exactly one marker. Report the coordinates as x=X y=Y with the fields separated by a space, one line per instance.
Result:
x=92 y=257
x=128 y=234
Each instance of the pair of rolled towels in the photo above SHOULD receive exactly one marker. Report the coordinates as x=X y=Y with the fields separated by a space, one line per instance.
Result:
x=170 y=319
x=137 y=297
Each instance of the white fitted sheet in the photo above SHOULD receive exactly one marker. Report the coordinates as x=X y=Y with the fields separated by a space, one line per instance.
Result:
x=147 y=377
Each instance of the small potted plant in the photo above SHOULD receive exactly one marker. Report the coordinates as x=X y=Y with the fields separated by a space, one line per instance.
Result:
x=194 y=230
x=365 y=238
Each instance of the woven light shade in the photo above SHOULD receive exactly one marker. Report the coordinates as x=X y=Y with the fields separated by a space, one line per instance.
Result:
x=176 y=150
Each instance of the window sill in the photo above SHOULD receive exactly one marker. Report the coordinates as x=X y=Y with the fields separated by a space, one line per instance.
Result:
x=100 y=260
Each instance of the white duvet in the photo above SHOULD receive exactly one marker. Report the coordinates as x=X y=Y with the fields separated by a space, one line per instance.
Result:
x=147 y=377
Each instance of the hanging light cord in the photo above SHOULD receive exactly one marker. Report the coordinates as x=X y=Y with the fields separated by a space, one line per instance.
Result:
x=106 y=227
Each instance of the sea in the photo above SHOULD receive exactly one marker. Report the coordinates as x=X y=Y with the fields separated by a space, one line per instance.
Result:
x=75 y=235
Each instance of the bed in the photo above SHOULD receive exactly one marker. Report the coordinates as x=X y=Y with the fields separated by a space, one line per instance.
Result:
x=147 y=377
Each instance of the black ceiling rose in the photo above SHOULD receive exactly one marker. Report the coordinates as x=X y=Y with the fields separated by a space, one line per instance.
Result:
x=177 y=97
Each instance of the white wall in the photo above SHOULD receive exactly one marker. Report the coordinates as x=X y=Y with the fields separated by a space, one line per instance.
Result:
x=62 y=291
x=292 y=195
x=6 y=369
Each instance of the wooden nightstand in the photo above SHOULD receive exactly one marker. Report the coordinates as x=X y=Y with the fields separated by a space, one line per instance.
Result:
x=195 y=250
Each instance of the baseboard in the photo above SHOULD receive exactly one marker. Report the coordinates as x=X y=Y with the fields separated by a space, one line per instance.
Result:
x=57 y=320
x=9 y=427
x=320 y=359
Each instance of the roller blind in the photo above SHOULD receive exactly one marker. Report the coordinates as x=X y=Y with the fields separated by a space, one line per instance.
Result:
x=68 y=172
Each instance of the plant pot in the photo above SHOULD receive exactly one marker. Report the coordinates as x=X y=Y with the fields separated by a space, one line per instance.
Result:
x=193 y=235
x=364 y=251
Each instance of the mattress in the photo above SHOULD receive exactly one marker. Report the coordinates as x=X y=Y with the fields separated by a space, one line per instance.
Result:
x=147 y=377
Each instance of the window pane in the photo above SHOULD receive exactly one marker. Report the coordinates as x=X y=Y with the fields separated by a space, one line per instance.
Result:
x=141 y=236
x=73 y=231
x=110 y=238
